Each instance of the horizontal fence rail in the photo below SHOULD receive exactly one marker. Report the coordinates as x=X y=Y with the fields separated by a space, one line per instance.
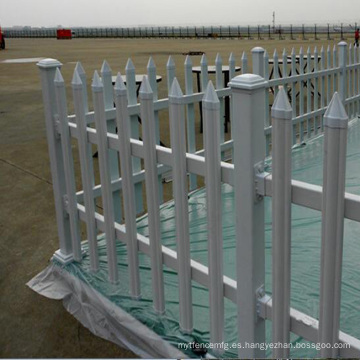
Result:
x=135 y=148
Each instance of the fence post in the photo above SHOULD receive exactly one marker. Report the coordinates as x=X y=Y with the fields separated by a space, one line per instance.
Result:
x=335 y=138
x=47 y=73
x=342 y=45
x=258 y=61
x=281 y=112
x=248 y=94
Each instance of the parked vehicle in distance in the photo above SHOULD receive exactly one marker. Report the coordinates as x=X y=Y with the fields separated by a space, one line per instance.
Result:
x=2 y=40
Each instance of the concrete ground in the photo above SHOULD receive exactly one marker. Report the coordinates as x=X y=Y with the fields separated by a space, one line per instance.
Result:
x=30 y=325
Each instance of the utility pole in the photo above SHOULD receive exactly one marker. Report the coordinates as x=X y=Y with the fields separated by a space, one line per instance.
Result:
x=273 y=22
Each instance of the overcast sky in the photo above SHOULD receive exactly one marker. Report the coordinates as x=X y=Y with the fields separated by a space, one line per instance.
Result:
x=175 y=12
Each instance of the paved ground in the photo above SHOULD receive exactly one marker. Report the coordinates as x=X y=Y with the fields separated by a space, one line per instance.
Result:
x=32 y=326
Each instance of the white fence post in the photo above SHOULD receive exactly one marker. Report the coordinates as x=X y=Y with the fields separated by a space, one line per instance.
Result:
x=152 y=194
x=178 y=146
x=124 y=133
x=258 y=61
x=335 y=138
x=342 y=64
x=87 y=168
x=47 y=73
x=70 y=199
x=105 y=176
x=248 y=94
x=281 y=112
x=211 y=111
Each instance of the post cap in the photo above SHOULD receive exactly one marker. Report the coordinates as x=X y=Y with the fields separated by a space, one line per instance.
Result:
x=342 y=43
x=258 y=49
x=247 y=82
x=48 y=63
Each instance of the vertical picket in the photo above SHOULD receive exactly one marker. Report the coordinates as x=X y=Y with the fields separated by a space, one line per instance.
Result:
x=204 y=72
x=152 y=193
x=151 y=70
x=105 y=176
x=301 y=93
x=276 y=70
x=335 y=76
x=134 y=121
x=356 y=83
x=268 y=137
x=87 y=169
x=342 y=46
x=335 y=138
x=244 y=64
x=211 y=107
x=281 y=222
x=70 y=197
x=293 y=94
x=232 y=64
x=178 y=145
x=47 y=73
x=284 y=68
x=170 y=72
x=328 y=80
x=111 y=128
x=220 y=85
x=80 y=70
x=231 y=67
x=248 y=93
x=124 y=131
x=190 y=115
x=308 y=92
x=350 y=81
x=316 y=89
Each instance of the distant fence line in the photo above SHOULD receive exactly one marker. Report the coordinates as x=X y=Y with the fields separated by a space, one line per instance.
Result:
x=247 y=32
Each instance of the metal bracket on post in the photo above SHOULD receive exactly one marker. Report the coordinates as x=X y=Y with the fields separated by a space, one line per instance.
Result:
x=57 y=126
x=259 y=181
x=260 y=293
x=66 y=205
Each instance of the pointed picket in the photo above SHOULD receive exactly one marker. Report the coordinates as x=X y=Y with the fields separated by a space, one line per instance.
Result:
x=190 y=116
x=124 y=131
x=152 y=193
x=105 y=176
x=135 y=131
x=211 y=107
x=178 y=146
x=87 y=169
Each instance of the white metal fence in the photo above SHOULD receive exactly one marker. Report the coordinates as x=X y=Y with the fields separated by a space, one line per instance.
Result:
x=121 y=152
